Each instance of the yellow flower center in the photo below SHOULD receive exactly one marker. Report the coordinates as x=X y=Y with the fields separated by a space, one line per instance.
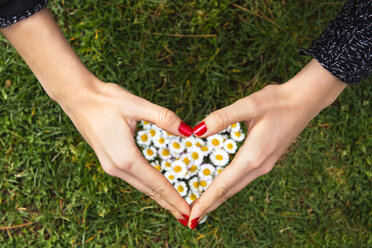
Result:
x=230 y=146
x=150 y=152
x=206 y=172
x=193 y=168
x=169 y=134
x=198 y=144
x=193 y=197
x=161 y=140
x=186 y=160
x=165 y=152
x=195 y=155
x=167 y=164
x=233 y=125
x=144 y=138
x=158 y=167
x=219 y=157
x=215 y=142
x=219 y=171
x=176 y=145
x=203 y=183
x=177 y=168
x=196 y=184
x=188 y=144
x=204 y=148
x=237 y=134
x=145 y=122
x=180 y=188
x=171 y=177
x=152 y=132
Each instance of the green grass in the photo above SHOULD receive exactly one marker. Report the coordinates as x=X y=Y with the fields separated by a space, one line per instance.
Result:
x=319 y=193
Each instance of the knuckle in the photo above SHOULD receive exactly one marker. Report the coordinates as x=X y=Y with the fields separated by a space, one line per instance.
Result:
x=123 y=163
x=223 y=193
x=221 y=117
x=165 y=117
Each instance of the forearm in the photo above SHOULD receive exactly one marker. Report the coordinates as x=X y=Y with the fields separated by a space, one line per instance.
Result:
x=44 y=48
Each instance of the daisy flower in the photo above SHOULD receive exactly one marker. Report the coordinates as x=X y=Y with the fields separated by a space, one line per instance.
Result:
x=235 y=127
x=191 y=196
x=153 y=131
x=218 y=170
x=143 y=138
x=205 y=149
x=204 y=184
x=146 y=125
x=175 y=146
x=219 y=157
x=237 y=135
x=164 y=154
x=230 y=146
x=149 y=152
x=189 y=142
x=196 y=155
x=206 y=171
x=193 y=169
x=215 y=141
x=179 y=168
x=170 y=176
x=194 y=185
x=156 y=165
x=199 y=142
x=159 y=141
x=166 y=165
x=181 y=188
x=186 y=159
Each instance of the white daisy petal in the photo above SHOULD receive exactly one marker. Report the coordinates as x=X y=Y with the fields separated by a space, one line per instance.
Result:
x=170 y=176
x=181 y=187
x=149 y=152
x=230 y=146
x=146 y=125
x=235 y=127
x=219 y=157
x=179 y=168
x=143 y=138
x=206 y=172
x=237 y=135
x=215 y=141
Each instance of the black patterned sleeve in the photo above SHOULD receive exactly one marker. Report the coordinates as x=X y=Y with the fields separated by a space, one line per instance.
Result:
x=345 y=47
x=12 y=11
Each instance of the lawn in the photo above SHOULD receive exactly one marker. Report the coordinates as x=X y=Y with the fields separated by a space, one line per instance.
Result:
x=192 y=57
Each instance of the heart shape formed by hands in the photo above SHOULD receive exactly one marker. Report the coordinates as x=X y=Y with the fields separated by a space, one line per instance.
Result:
x=190 y=164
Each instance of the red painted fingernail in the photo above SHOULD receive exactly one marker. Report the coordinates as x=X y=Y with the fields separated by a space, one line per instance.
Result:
x=183 y=222
x=200 y=129
x=194 y=220
x=186 y=216
x=193 y=225
x=185 y=129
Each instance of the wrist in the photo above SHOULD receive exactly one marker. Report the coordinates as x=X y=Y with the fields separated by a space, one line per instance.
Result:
x=314 y=86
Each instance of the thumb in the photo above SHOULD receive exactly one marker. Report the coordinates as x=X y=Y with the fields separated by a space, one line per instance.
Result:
x=163 y=118
x=243 y=109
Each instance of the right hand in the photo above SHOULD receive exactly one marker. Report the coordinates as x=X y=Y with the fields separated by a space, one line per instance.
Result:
x=107 y=117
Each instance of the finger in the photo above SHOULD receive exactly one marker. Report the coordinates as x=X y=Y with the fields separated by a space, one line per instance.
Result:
x=250 y=157
x=161 y=117
x=243 y=109
x=117 y=172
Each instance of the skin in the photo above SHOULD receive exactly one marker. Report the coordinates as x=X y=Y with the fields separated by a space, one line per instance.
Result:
x=104 y=113
x=275 y=116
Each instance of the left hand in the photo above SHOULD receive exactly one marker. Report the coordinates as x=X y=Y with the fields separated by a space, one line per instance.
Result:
x=274 y=116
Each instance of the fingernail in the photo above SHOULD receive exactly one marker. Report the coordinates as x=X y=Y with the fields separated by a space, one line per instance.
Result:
x=185 y=129
x=193 y=225
x=183 y=222
x=186 y=216
x=194 y=220
x=200 y=129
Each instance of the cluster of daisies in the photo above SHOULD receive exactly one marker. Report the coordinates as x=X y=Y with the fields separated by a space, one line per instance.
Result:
x=192 y=163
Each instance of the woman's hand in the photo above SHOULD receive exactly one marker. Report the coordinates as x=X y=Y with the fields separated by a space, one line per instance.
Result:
x=274 y=116
x=105 y=114
x=107 y=118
